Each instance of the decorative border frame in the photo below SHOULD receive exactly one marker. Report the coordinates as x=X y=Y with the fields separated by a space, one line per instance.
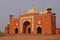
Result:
x=21 y=22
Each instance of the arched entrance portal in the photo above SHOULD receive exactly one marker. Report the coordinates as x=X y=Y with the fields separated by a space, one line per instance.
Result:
x=25 y=25
x=29 y=30
x=16 y=30
x=39 y=30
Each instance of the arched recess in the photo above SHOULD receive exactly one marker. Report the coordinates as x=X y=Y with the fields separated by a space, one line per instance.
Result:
x=39 y=30
x=29 y=30
x=16 y=30
x=25 y=25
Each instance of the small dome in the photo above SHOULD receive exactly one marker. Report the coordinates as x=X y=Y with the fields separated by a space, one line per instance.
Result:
x=49 y=8
x=33 y=10
x=8 y=23
x=43 y=12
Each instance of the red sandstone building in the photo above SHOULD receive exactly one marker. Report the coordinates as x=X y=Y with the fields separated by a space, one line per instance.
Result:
x=33 y=22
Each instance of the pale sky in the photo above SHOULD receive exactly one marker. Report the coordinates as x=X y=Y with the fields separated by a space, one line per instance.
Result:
x=16 y=6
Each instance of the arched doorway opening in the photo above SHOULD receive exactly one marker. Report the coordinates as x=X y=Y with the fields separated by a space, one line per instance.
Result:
x=39 y=30
x=16 y=30
x=25 y=25
x=29 y=30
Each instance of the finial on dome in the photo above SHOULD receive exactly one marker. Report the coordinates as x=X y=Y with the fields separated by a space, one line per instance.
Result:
x=33 y=7
x=49 y=6
x=33 y=10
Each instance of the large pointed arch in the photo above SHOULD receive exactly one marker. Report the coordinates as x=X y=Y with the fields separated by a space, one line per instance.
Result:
x=25 y=25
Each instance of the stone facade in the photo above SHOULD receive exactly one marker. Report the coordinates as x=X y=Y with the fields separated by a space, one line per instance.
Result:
x=58 y=31
x=33 y=22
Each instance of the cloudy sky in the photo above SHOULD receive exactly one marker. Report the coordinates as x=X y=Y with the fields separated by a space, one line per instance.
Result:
x=16 y=6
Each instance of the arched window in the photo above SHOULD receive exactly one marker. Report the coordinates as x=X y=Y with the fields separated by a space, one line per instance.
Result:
x=16 y=30
x=39 y=30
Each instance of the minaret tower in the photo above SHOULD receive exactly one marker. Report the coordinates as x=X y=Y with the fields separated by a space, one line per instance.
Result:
x=11 y=16
x=49 y=9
